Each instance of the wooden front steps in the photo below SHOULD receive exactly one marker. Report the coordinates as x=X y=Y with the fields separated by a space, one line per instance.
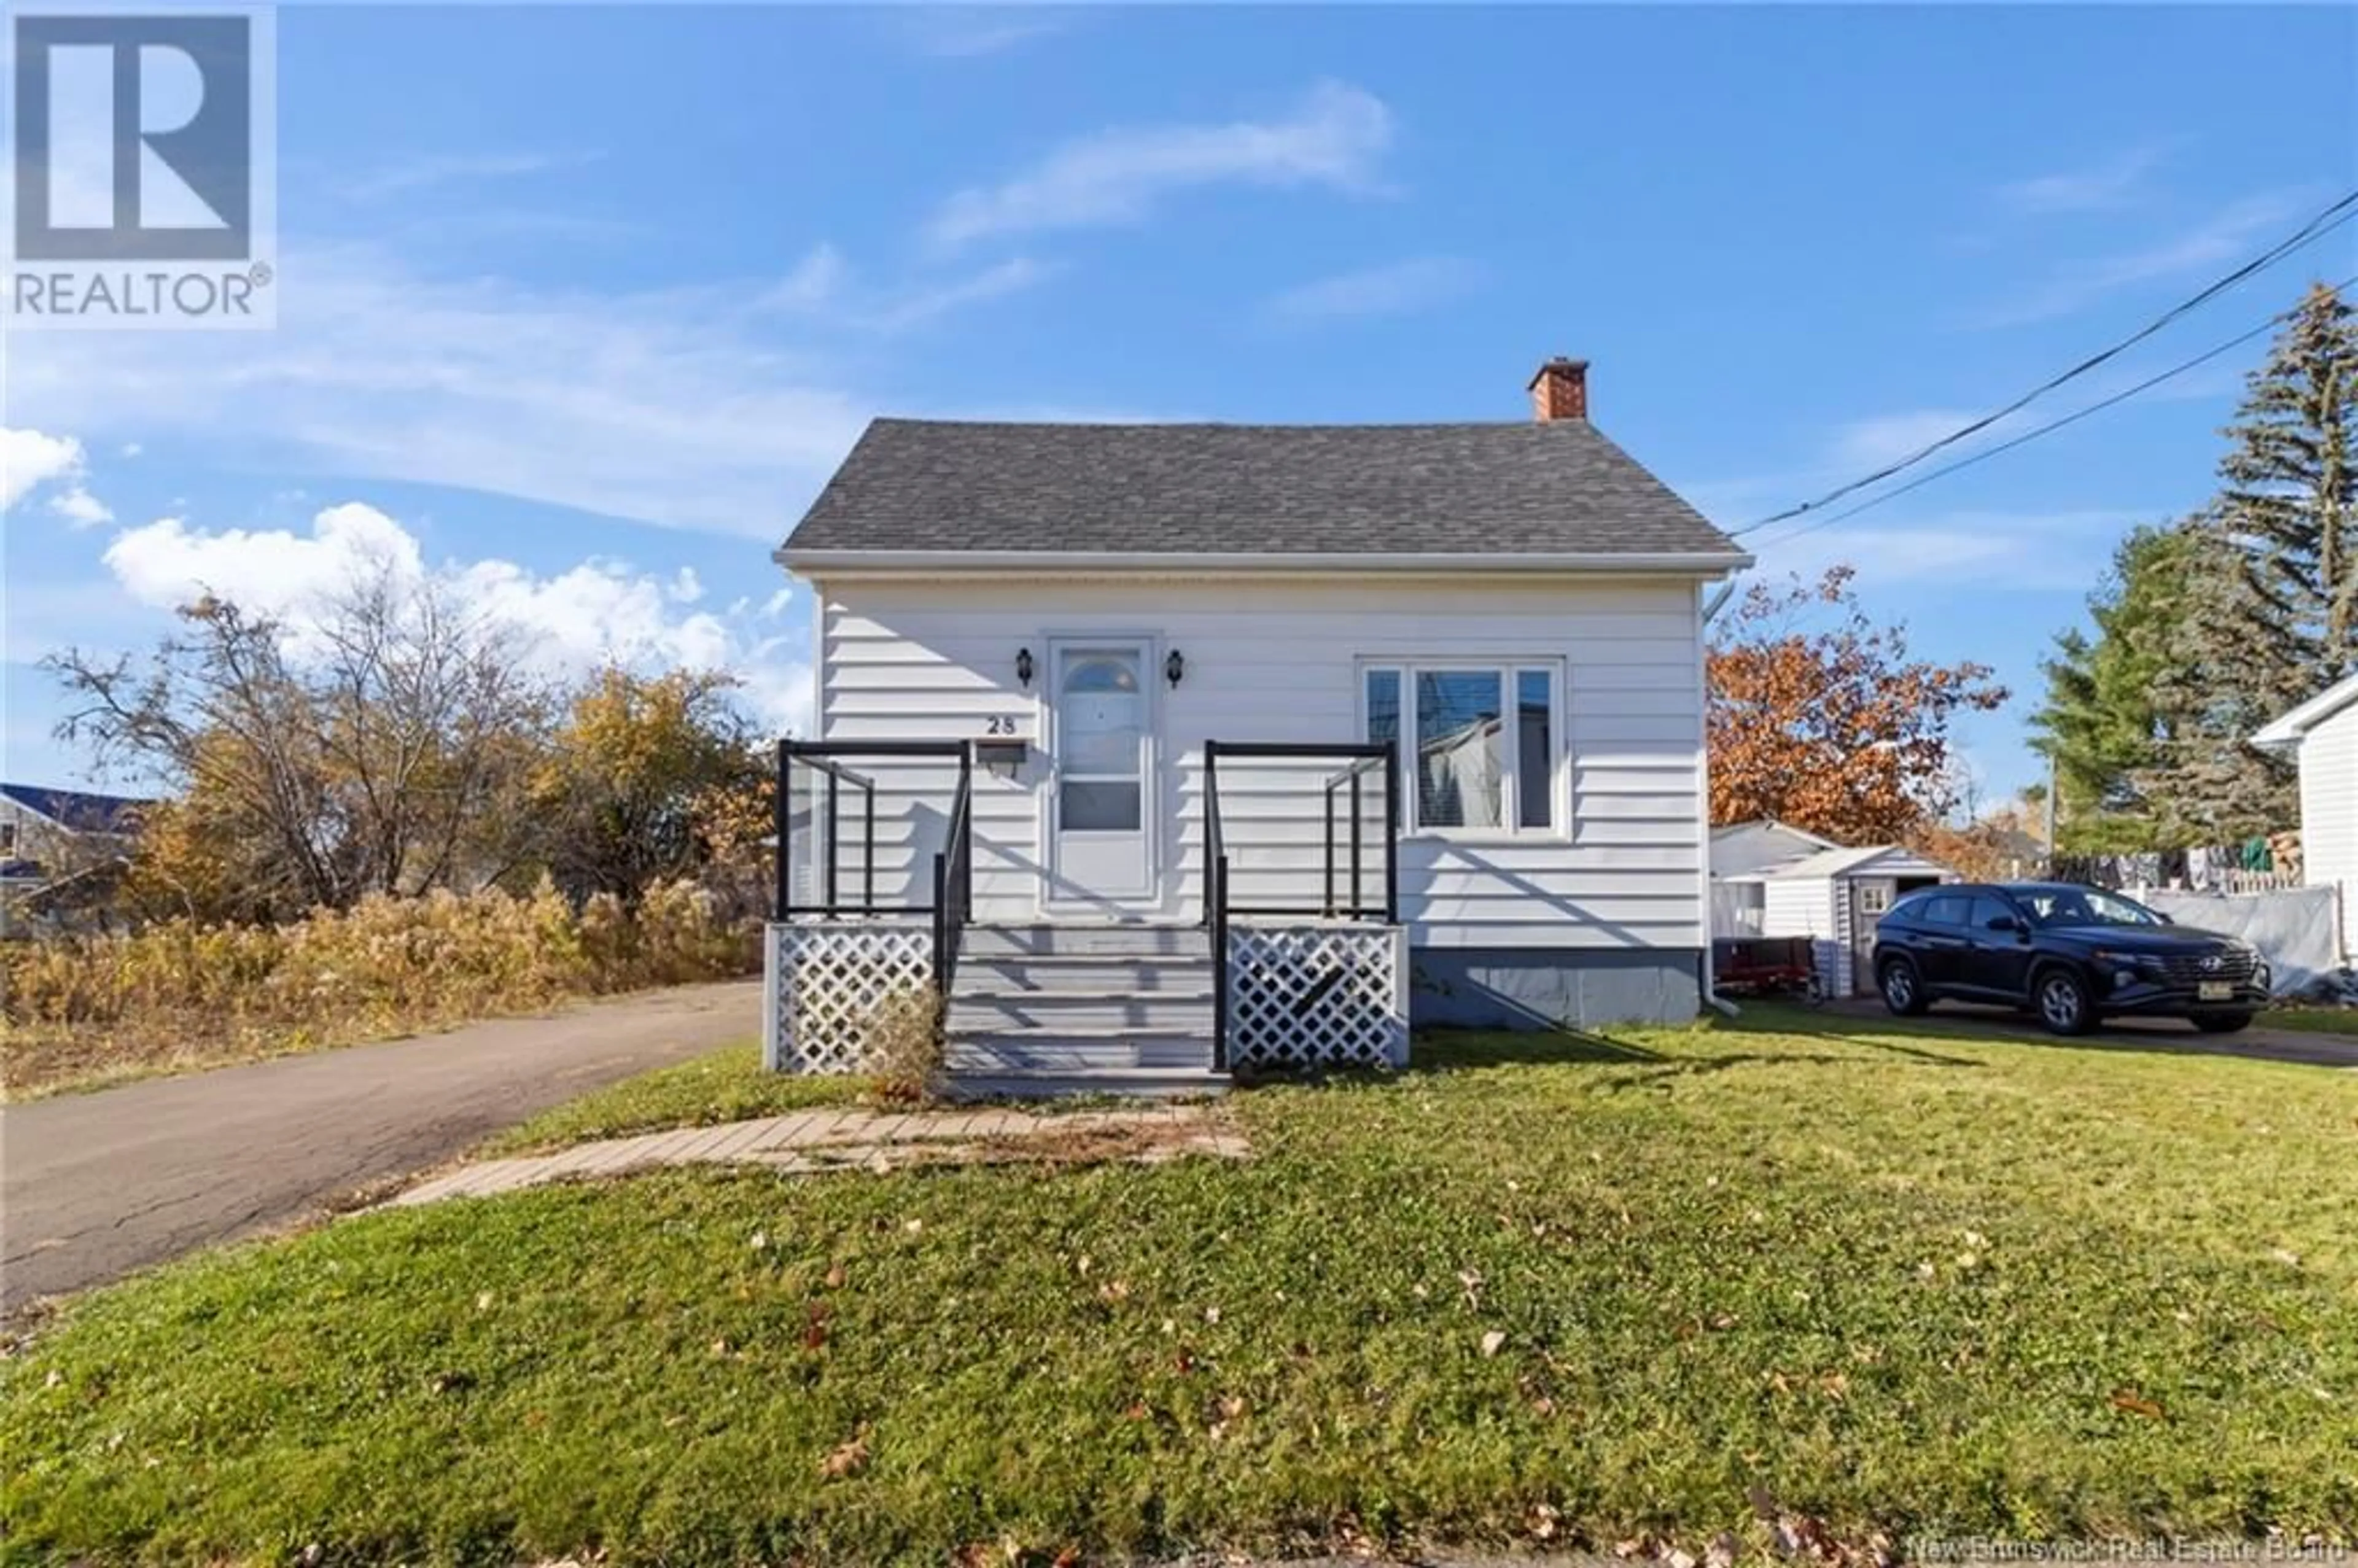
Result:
x=1083 y=1009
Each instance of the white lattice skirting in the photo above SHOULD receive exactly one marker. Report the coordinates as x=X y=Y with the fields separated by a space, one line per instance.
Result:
x=822 y=982
x=1335 y=995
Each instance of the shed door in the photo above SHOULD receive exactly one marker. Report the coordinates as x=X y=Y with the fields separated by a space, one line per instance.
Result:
x=1870 y=900
x=1102 y=804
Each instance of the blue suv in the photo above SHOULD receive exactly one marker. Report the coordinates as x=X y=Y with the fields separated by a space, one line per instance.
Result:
x=2072 y=954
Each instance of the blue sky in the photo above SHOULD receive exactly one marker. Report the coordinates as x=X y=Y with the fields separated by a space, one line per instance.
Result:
x=580 y=306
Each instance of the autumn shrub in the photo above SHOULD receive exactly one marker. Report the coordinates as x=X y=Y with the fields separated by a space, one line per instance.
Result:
x=180 y=990
x=902 y=1043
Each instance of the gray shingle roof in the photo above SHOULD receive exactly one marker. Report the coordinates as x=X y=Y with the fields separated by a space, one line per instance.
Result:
x=1559 y=488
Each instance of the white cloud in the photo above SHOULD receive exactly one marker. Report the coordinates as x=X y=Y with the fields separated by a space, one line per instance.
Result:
x=2227 y=237
x=29 y=459
x=274 y=572
x=2103 y=187
x=822 y=286
x=967 y=32
x=80 y=508
x=1882 y=439
x=2028 y=551
x=427 y=172
x=1389 y=290
x=594 y=613
x=1332 y=138
x=993 y=283
x=672 y=407
x=816 y=280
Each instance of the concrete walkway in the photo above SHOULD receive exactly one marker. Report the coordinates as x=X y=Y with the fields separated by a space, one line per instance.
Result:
x=94 y=1185
x=812 y=1140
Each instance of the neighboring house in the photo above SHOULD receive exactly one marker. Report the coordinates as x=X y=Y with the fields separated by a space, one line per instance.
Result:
x=2323 y=734
x=1289 y=651
x=1835 y=896
x=51 y=835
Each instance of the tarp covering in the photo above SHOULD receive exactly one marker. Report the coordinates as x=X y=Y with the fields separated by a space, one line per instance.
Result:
x=2292 y=928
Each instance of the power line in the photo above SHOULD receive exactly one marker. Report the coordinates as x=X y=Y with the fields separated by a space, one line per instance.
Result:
x=2051 y=425
x=2331 y=218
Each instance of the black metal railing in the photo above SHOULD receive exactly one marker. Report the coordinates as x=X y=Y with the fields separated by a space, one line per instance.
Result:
x=1360 y=760
x=953 y=880
x=1354 y=778
x=951 y=901
x=827 y=869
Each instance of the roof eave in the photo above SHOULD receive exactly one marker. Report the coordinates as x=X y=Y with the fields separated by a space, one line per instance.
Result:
x=808 y=562
x=2288 y=730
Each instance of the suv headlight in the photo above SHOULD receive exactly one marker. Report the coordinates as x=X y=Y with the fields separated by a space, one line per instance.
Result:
x=2129 y=967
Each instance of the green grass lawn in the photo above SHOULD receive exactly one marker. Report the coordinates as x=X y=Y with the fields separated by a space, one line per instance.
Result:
x=728 y=1084
x=1558 y=1288
x=2315 y=1020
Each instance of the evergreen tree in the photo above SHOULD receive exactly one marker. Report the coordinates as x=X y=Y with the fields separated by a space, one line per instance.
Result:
x=2290 y=505
x=2270 y=607
x=2100 y=725
x=2214 y=683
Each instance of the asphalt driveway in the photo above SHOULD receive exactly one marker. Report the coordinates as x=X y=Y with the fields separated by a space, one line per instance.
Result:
x=95 y=1185
x=2258 y=1043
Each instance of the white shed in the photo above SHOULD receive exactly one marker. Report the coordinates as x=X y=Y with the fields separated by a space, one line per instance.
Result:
x=2323 y=735
x=1835 y=897
x=1739 y=852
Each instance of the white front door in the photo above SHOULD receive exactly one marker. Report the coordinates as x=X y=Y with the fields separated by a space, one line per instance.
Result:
x=1102 y=803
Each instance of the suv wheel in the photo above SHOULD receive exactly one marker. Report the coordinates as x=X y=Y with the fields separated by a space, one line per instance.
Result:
x=2062 y=998
x=2221 y=1022
x=1903 y=994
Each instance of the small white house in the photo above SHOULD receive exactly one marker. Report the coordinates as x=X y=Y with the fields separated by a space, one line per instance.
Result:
x=2323 y=734
x=1835 y=896
x=1182 y=747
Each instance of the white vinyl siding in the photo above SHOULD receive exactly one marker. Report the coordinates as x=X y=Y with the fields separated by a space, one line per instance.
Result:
x=1622 y=865
x=2329 y=813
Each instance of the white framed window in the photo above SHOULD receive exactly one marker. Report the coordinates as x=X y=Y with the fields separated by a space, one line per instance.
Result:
x=1480 y=742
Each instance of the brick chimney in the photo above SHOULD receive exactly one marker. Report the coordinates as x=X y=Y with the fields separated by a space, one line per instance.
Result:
x=1560 y=390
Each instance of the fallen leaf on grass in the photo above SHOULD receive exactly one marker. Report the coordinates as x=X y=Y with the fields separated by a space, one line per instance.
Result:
x=2129 y=1399
x=848 y=1459
x=1493 y=1342
x=835 y=1277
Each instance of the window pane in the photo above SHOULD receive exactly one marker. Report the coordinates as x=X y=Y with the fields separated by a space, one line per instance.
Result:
x=1535 y=750
x=1104 y=751
x=1088 y=807
x=1383 y=707
x=1101 y=672
x=1461 y=752
x=1983 y=909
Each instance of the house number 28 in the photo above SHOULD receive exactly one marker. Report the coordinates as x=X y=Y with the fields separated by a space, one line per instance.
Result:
x=999 y=724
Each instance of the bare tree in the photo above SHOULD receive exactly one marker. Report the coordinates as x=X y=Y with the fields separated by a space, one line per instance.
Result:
x=383 y=744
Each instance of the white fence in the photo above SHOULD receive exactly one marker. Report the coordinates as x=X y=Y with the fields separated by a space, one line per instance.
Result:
x=1331 y=994
x=822 y=981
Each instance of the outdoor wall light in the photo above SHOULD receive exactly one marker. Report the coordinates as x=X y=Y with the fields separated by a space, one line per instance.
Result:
x=1173 y=667
x=1023 y=667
